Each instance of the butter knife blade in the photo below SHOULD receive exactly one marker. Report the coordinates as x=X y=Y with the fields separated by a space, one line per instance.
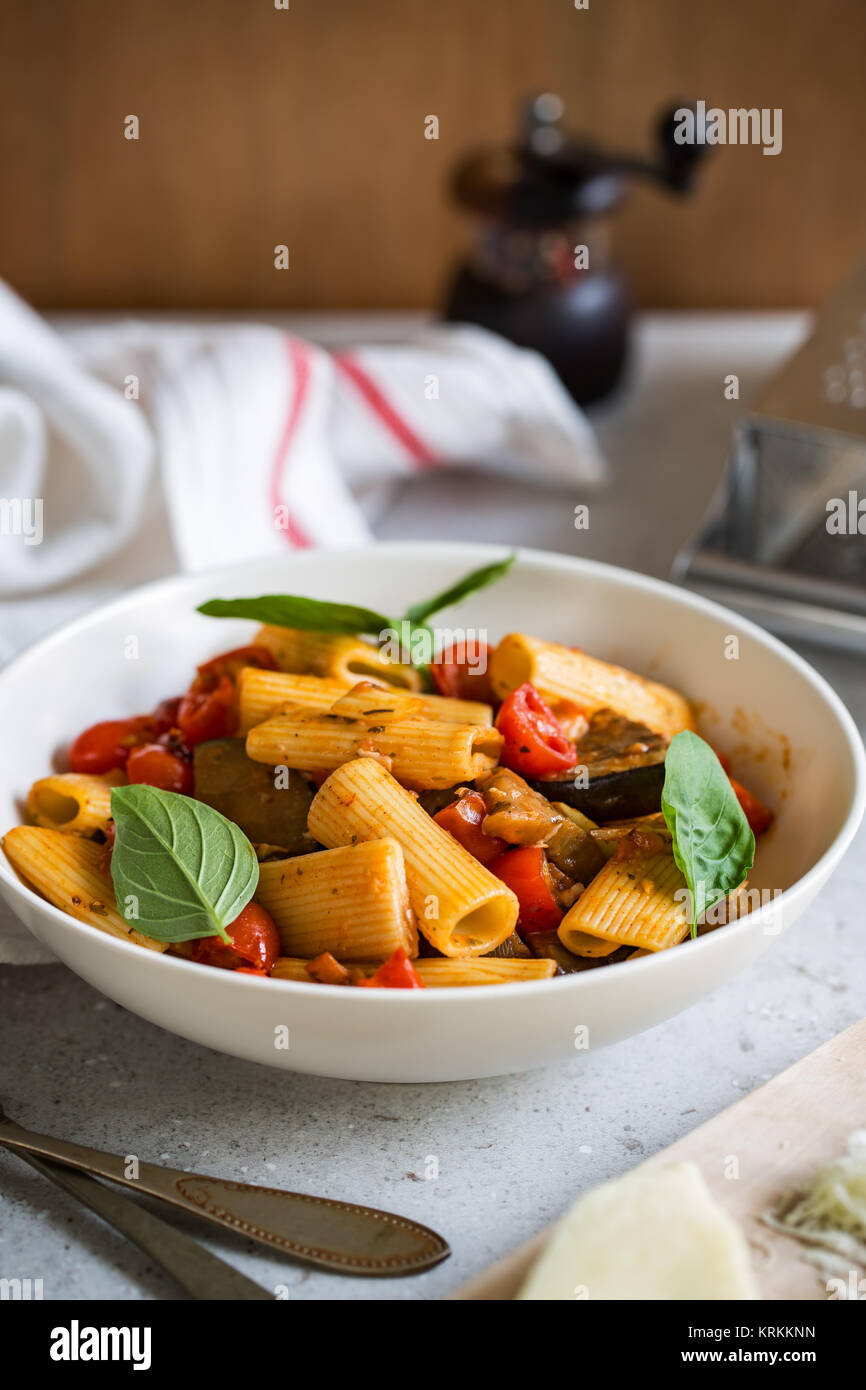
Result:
x=202 y=1274
x=340 y=1236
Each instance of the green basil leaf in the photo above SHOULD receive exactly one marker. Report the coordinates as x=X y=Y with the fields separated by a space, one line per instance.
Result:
x=180 y=869
x=469 y=584
x=291 y=610
x=712 y=841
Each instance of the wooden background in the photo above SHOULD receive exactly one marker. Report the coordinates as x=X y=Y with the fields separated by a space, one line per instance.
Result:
x=306 y=127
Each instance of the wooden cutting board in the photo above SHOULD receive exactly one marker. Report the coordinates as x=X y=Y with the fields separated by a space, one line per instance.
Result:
x=776 y=1138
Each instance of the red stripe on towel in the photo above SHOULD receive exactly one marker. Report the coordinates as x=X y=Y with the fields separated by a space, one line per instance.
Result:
x=299 y=364
x=391 y=418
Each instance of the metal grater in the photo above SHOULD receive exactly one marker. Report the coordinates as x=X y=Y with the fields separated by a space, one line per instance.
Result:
x=772 y=545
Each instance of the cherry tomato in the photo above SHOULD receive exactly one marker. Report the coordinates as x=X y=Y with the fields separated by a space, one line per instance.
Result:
x=105 y=746
x=534 y=742
x=463 y=820
x=165 y=715
x=759 y=816
x=254 y=944
x=158 y=766
x=231 y=663
x=398 y=972
x=724 y=760
x=174 y=741
x=461 y=679
x=572 y=719
x=208 y=710
x=524 y=871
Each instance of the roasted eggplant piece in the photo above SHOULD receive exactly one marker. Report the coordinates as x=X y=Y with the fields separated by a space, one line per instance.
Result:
x=245 y=792
x=520 y=816
x=625 y=770
x=609 y=836
x=576 y=817
x=512 y=948
x=547 y=945
x=435 y=800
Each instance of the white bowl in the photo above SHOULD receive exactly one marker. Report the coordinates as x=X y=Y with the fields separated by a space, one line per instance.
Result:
x=791 y=738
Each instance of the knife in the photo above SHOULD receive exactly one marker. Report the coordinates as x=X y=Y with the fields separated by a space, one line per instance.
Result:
x=338 y=1236
x=202 y=1274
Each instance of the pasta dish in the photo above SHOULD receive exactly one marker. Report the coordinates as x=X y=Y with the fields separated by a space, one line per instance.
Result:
x=354 y=801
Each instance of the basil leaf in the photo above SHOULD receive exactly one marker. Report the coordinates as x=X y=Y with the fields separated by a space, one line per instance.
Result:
x=186 y=870
x=469 y=584
x=316 y=615
x=291 y=610
x=713 y=843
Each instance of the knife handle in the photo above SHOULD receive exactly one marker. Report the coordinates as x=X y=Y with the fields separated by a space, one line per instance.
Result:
x=200 y=1273
x=340 y=1236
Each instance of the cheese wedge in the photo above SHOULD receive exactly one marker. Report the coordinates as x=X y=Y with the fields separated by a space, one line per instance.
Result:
x=654 y=1234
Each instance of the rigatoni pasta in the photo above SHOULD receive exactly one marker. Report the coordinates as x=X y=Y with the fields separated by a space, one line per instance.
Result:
x=461 y=908
x=481 y=970
x=374 y=705
x=69 y=871
x=580 y=943
x=635 y=901
x=362 y=700
x=561 y=673
x=71 y=801
x=421 y=753
x=263 y=694
x=329 y=654
x=443 y=708
x=443 y=974
x=351 y=901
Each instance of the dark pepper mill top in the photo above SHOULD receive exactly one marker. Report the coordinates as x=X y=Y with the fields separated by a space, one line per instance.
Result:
x=547 y=178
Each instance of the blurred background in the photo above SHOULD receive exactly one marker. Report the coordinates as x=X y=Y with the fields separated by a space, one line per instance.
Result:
x=305 y=126
x=294 y=186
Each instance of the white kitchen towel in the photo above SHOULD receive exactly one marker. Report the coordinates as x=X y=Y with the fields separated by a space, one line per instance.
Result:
x=257 y=439
x=74 y=458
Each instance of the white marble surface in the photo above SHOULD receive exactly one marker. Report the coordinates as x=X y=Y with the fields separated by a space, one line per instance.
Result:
x=511 y=1152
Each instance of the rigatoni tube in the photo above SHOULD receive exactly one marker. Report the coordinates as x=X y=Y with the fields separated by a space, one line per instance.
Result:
x=442 y=974
x=421 y=753
x=72 y=801
x=559 y=673
x=68 y=871
x=332 y=654
x=370 y=702
x=580 y=943
x=481 y=970
x=460 y=906
x=351 y=901
x=363 y=700
x=264 y=693
x=635 y=901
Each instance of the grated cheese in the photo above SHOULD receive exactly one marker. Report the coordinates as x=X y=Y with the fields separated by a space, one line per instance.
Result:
x=830 y=1215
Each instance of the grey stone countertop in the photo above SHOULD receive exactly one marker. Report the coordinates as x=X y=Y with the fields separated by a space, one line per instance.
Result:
x=512 y=1152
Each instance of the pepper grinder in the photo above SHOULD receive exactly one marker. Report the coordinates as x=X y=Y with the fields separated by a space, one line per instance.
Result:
x=541 y=270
